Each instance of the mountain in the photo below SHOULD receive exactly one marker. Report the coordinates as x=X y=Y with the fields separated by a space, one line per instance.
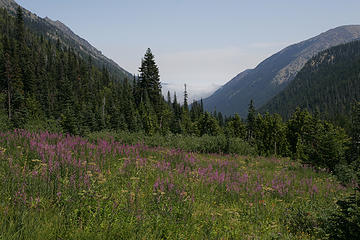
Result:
x=273 y=74
x=56 y=30
x=44 y=84
x=328 y=84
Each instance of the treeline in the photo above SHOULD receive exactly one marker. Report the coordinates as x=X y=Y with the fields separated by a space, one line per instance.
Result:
x=303 y=136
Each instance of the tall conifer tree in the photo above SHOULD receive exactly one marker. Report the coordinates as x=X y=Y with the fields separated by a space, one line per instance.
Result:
x=251 y=120
x=150 y=80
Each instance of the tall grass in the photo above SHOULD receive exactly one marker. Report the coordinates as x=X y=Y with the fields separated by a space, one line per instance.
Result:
x=55 y=186
x=204 y=144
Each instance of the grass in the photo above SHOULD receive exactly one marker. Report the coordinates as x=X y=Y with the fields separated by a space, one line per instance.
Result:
x=55 y=186
x=203 y=144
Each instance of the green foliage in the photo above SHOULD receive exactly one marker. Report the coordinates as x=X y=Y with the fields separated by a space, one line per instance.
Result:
x=304 y=218
x=251 y=124
x=20 y=31
x=207 y=125
x=346 y=173
x=4 y=120
x=149 y=81
x=316 y=142
x=345 y=224
x=355 y=133
x=235 y=127
x=49 y=125
x=55 y=186
x=196 y=110
x=203 y=144
x=42 y=79
x=44 y=85
x=270 y=135
x=328 y=84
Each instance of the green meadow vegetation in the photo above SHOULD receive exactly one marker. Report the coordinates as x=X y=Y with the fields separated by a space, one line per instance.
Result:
x=56 y=186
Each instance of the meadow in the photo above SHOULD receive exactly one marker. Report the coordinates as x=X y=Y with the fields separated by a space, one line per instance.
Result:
x=57 y=186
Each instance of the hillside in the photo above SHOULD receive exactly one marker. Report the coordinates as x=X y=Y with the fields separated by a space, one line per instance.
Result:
x=56 y=30
x=43 y=82
x=328 y=83
x=273 y=74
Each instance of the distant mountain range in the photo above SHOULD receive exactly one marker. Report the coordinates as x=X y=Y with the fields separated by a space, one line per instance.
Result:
x=272 y=75
x=59 y=31
x=327 y=84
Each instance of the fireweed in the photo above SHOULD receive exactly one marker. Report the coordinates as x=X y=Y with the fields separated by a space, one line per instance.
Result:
x=104 y=189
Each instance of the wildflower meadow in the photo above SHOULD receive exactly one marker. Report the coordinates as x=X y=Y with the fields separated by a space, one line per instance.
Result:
x=56 y=186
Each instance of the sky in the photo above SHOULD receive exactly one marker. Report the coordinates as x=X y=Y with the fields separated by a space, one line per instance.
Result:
x=201 y=43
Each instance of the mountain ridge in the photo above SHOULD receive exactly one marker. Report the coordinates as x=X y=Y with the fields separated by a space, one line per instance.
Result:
x=327 y=84
x=58 y=30
x=273 y=74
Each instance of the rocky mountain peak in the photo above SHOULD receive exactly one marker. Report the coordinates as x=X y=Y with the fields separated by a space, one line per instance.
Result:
x=330 y=38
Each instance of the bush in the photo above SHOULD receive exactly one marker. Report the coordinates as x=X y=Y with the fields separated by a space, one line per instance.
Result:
x=4 y=122
x=345 y=173
x=345 y=224
x=50 y=125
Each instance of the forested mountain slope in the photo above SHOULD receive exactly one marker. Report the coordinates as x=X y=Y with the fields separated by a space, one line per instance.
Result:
x=42 y=80
x=272 y=75
x=50 y=85
x=58 y=31
x=328 y=84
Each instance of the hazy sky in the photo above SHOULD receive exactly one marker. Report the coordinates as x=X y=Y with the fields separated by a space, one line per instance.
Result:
x=203 y=43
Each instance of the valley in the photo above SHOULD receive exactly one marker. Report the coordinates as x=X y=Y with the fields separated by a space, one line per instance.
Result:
x=90 y=151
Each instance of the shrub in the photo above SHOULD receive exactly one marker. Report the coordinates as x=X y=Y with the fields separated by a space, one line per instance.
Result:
x=50 y=125
x=345 y=173
x=345 y=224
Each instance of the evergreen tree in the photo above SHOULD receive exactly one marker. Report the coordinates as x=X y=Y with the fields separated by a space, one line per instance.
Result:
x=20 y=29
x=15 y=89
x=149 y=81
x=315 y=141
x=169 y=98
x=208 y=125
x=251 y=121
x=4 y=121
x=220 y=119
x=355 y=148
x=270 y=135
x=185 y=114
x=185 y=106
x=129 y=108
x=148 y=116
x=176 y=121
x=196 y=111
x=239 y=129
